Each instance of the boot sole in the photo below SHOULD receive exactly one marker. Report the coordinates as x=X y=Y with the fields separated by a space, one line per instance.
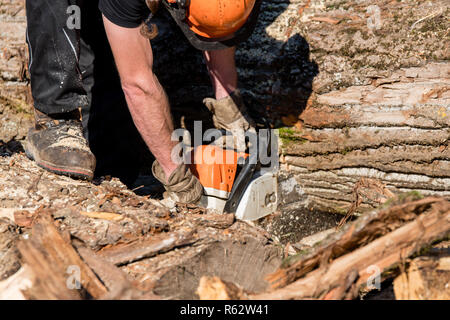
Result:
x=71 y=172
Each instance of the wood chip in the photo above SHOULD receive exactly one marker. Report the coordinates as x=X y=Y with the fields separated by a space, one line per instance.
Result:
x=102 y=215
x=219 y=221
x=23 y=218
x=325 y=19
x=214 y=288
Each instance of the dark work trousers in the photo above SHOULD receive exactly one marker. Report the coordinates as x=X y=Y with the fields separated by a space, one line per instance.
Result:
x=72 y=68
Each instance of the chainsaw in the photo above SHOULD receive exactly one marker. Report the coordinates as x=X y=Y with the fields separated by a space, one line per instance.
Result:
x=237 y=182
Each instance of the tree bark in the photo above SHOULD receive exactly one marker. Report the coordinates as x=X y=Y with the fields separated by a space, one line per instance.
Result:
x=397 y=133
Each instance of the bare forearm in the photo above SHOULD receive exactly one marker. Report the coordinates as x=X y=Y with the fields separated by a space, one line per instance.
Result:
x=222 y=71
x=149 y=108
x=146 y=98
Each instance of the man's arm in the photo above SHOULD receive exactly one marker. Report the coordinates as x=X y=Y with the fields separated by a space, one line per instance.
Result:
x=222 y=71
x=145 y=96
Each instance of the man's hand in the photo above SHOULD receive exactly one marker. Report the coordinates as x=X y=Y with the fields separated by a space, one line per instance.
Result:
x=230 y=114
x=228 y=108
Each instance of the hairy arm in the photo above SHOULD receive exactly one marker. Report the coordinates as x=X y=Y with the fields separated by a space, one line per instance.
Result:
x=145 y=96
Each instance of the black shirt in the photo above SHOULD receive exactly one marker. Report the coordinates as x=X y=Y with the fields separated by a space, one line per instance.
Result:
x=125 y=13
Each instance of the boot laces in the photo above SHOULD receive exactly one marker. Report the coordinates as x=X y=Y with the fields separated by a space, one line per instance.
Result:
x=70 y=135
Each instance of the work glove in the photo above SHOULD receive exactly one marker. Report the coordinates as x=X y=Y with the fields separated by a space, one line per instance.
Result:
x=230 y=114
x=182 y=186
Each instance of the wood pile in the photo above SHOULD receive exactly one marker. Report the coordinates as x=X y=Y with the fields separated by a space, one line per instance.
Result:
x=55 y=264
x=370 y=248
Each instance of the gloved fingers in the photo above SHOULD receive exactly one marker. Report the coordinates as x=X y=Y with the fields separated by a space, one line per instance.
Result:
x=209 y=103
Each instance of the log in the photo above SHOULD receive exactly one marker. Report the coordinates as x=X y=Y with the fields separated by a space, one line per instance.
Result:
x=145 y=248
x=49 y=256
x=397 y=132
x=356 y=235
x=343 y=277
x=218 y=221
x=120 y=287
x=371 y=107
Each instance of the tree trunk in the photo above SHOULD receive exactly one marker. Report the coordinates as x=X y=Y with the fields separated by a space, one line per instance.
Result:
x=396 y=130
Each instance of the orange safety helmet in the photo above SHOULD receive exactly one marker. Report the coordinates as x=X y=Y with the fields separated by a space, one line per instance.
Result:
x=215 y=24
x=218 y=18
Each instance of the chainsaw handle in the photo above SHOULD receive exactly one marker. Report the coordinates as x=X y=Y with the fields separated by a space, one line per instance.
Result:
x=241 y=183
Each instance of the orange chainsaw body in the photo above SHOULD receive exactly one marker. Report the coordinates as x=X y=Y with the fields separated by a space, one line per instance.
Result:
x=216 y=169
x=223 y=178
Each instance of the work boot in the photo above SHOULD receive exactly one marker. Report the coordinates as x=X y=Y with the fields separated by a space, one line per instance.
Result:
x=182 y=186
x=230 y=114
x=57 y=144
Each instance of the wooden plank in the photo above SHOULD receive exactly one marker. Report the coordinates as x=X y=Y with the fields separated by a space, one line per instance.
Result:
x=404 y=159
x=326 y=141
